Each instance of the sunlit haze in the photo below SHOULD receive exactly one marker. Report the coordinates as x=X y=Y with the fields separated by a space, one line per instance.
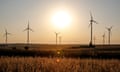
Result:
x=61 y=19
x=71 y=18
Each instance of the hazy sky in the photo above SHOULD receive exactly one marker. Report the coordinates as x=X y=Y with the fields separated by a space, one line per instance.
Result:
x=14 y=15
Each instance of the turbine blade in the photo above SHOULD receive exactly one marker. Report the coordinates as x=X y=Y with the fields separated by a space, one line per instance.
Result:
x=111 y=27
x=9 y=33
x=106 y=28
x=6 y=34
x=89 y=25
x=25 y=29
x=5 y=31
x=31 y=29
x=57 y=32
x=91 y=15
x=95 y=21
x=103 y=35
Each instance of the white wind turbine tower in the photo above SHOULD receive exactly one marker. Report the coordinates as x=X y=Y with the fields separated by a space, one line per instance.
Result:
x=91 y=24
x=60 y=39
x=103 y=36
x=6 y=36
x=28 y=29
x=109 y=34
x=56 y=34
x=94 y=39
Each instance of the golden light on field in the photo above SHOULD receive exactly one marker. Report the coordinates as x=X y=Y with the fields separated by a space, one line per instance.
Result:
x=58 y=60
x=58 y=52
x=61 y=19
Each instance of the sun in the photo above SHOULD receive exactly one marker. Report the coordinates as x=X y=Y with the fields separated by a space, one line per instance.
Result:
x=61 y=19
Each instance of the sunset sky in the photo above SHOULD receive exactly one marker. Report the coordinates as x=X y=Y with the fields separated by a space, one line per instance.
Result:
x=14 y=16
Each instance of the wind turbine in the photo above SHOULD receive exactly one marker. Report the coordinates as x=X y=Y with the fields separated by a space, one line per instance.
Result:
x=91 y=24
x=6 y=36
x=28 y=29
x=109 y=33
x=60 y=39
x=103 y=36
x=56 y=34
x=94 y=40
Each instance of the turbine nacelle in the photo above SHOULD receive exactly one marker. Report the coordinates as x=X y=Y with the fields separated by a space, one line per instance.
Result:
x=109 y=29
x=103 y=35
x=6 y=32
x=57 y=33
x=92 y=20
x=28 y=28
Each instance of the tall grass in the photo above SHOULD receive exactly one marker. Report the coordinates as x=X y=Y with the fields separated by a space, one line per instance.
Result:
x=38 y=64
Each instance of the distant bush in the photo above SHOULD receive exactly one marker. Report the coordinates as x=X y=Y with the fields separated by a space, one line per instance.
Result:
x=26 y=47
x=14 y=48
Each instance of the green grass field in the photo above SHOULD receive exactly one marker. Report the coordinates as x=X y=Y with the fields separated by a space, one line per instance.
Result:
x=45 y=64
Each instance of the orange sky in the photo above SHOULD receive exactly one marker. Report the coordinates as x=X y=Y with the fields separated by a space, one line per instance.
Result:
x=14 y=16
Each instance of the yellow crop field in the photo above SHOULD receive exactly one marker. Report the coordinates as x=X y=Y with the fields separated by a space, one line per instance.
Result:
x=45 y=64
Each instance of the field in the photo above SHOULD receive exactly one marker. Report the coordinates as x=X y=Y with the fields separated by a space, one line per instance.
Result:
x=66 y=50
x=45 y=64
x=61 y=58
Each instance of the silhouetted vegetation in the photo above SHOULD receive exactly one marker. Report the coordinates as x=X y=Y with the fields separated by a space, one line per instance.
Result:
x=75 y=51
x=26 y=47
x=14 y=48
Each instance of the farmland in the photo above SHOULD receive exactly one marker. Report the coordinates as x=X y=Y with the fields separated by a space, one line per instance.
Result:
x=61 y=58
x=65 y=50
x=45 y=64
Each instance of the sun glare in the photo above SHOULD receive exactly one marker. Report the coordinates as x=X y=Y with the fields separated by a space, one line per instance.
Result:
x=61 y=19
